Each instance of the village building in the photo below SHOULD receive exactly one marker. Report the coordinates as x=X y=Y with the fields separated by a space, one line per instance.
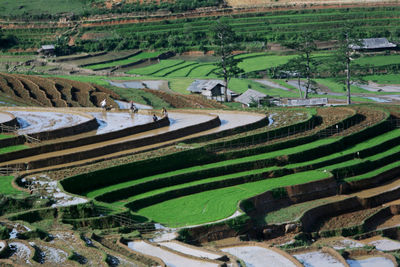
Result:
x=211 y=89
x=252 y=97
x=47 y=50
x=374 y=44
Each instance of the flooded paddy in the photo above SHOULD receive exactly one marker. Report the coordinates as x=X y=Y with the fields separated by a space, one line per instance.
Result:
x=41 y=121
x=190 y=250
x=114 y=121
x=318 y=258
x=169 y=258
x=383 y=244
x=258 y=256
x=370 y=262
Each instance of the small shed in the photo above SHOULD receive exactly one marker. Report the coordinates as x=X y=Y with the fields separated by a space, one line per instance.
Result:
x=251 y=96
x=211 y=89
x=374 y=44
x=47 y=50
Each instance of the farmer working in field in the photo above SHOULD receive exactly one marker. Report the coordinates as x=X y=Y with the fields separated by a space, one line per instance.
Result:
x=164 y=113
x=103 y=104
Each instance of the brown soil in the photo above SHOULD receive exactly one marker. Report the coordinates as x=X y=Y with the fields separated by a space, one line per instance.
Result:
x=185 y=101
x=54 y=92
x=389 y=222
x=346 y=220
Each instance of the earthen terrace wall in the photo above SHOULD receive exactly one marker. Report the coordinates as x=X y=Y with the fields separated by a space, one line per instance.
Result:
x=127 y=145
x=83 y=141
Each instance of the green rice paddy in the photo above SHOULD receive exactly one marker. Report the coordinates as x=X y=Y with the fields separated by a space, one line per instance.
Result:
x=221 y=203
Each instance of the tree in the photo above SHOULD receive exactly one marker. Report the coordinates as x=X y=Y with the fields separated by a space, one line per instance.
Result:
x=304 y=65
x=343 y=58
x=223 y=37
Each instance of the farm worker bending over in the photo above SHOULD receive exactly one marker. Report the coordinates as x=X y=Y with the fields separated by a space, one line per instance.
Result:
x=155 y=118
x=103 y=104
x=133 y=108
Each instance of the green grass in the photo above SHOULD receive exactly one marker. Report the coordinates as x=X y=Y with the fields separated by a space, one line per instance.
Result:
x=202 y=70
x=263 y=62
x=5 y=136
x=129 y=60
x=155 y=68
x=171 y=71
x=6 y=187
x=221 y=203
x=180 y=85
x=338 y=87
x=7 y=149
x=378 y=60
x=242 y=85
x=183 y=72
x=384 y=79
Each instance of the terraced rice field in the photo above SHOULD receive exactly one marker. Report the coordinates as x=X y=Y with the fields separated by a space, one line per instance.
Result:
x=214 y=175
x=234 y=177
x=130 y=60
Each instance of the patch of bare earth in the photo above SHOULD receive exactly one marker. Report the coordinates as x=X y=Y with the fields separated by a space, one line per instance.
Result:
x=345 y=220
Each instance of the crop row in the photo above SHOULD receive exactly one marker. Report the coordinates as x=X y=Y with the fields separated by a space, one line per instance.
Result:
x=53 y=92
x=316 y=154
x=130 y=60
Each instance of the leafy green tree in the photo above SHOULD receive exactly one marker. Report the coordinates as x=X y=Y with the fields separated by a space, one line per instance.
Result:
x=223 y=37
x=304 y=65
x=343 y=58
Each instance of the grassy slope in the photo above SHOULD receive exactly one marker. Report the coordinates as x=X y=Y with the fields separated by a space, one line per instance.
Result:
x=338 y=87
x=379 y=60
x=221 y=203
x=6 y=187
x=384 y=79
